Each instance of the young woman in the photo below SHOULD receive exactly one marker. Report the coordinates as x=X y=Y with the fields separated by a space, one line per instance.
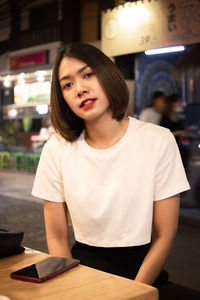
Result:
x=119 y=178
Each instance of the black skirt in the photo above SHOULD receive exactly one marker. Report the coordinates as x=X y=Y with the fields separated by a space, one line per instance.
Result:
x=125 y=262
x=121 y=261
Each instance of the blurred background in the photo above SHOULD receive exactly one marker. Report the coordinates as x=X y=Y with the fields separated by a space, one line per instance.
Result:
x=31 y=33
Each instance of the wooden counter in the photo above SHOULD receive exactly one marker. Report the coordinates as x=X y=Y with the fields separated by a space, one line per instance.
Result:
x=79 y=283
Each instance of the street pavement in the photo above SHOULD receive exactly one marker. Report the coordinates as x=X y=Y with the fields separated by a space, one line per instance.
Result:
x=17 y=184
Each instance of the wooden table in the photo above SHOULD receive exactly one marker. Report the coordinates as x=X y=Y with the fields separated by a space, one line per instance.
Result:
x=79 y=283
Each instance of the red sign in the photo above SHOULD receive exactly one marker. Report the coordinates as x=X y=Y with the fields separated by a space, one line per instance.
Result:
x=28 y=60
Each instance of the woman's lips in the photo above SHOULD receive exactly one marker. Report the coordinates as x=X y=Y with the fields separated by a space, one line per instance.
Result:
x=87 y=103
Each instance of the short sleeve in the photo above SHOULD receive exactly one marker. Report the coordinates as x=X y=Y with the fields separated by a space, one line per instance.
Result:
x=143 y=116
x=48 y=183
x=170 y=173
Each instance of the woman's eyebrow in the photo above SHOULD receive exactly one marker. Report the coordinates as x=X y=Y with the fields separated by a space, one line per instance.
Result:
x=79 y=71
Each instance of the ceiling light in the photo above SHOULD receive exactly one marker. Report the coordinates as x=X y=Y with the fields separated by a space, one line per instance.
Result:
x=164 y=50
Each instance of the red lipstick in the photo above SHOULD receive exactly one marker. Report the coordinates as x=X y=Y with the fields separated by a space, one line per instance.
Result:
x=87 y=103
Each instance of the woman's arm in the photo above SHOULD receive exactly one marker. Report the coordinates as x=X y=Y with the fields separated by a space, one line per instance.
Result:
x=56 y=225
x=181 y=133
x=165 y=223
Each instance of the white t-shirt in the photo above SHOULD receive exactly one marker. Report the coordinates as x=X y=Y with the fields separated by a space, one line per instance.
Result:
x=150 y=115
x=110 y=192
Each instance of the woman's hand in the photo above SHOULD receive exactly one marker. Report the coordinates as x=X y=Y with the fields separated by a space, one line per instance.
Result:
x=165 y=223
x=56 y=224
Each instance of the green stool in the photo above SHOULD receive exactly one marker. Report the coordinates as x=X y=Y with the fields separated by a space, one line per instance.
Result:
x=37 y=159
x=31 y=161
x=4 y=159
x=18 y=160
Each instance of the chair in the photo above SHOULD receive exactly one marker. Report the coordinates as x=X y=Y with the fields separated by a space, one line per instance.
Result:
x=4 y=159
x=18 y=160
x=31 y=161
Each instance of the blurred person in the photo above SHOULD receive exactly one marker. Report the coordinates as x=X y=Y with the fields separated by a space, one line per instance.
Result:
x=118 y=177
x=153 y=113
x=171 y=120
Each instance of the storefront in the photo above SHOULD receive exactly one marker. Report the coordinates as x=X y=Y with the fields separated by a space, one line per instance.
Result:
x=154 y=36
x=25 y=94
x=170 y=26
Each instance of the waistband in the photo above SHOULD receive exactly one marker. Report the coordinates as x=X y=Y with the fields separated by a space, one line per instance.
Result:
x=117 y=250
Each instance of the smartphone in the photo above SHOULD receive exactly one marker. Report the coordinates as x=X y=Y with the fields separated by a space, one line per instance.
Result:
x=45 y=269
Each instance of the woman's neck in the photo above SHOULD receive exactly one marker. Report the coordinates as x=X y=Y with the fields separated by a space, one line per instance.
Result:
x=101 y=134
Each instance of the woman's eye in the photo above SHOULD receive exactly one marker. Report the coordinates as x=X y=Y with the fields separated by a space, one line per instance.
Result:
x=89 y=74
x=67 y=85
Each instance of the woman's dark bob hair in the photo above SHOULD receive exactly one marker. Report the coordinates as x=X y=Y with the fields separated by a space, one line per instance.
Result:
x=64 y=121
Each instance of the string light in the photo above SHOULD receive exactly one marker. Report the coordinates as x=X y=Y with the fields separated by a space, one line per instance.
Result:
x=12 y=113
x=23 y=77
x=42 y=109
x=7 y=82
x=40 y=78
x=21 y=81
x=40 y=75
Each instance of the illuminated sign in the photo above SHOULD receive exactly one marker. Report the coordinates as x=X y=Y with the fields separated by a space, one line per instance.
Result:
x=37 y=92
x=28 y=60
x=142 y=25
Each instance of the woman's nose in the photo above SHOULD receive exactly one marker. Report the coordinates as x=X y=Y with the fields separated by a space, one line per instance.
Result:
x=81 y=88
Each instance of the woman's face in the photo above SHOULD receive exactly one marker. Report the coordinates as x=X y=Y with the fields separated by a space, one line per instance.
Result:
x=81 y=89
x=177 y=106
